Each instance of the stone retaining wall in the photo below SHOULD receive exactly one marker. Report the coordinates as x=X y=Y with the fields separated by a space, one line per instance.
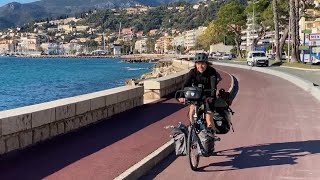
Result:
x=160 y=87
x=28 y=125
x=182 y=64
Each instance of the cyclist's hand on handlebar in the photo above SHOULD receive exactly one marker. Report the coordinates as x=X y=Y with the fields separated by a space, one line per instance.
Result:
x=209 y=99
x=182 y=100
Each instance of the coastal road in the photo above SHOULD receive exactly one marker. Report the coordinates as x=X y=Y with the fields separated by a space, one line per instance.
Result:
x=103 y=150
x=277 y=136
x=312 y=76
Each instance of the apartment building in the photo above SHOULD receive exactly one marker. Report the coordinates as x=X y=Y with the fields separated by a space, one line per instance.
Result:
x=178 y=40
x=141 y=45
x=81 y=28
x=192 y=35
x=164 y=44
x=28 y=43
x=65 y=28
x=251 y=33
x=5 y=45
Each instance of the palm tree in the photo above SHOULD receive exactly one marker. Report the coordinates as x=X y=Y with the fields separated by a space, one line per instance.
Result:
x=276 y=28
x=293 y=30
x=297 y=19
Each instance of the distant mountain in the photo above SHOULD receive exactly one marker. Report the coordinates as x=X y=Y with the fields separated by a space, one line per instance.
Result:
x=16 y=14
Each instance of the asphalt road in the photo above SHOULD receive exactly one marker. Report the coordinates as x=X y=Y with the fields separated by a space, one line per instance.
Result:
x=277 y=131
x=312 y=76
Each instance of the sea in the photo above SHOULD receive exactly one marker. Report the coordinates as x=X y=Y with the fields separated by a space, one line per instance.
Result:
x=28 y=81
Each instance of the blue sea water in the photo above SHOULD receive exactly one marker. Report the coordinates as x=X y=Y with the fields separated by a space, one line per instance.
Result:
x=27 y=81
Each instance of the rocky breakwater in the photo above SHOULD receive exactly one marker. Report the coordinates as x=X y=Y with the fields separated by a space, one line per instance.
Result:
x=160 y=69
x=139 y=60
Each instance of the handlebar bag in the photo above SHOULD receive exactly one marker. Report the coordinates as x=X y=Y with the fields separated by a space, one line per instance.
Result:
x=192 y=93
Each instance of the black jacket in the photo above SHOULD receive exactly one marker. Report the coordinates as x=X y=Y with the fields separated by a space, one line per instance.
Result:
x=194 y=78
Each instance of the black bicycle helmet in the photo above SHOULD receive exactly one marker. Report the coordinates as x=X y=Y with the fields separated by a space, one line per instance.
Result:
x=201 y=57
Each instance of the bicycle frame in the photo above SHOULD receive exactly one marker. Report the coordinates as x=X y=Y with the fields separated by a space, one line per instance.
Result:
x=198 y=124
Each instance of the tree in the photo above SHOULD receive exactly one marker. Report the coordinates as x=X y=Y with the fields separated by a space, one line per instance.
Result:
x=283 y=11
x=261 y=13
x=180 y=49
x=276 y=28
x=210 y=36
x=231 y=18
x=293 y=31
x=284 y=15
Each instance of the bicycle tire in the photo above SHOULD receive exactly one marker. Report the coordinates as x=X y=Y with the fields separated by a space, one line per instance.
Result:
x=193 y=155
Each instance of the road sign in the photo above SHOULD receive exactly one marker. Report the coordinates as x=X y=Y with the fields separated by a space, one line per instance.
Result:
x=307 y=31
x=314 y=37
x=304 y=48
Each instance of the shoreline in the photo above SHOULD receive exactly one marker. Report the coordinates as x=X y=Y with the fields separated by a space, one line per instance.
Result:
x=132 y=58
x=162 y=68
x=66 y=57
x=143 y=56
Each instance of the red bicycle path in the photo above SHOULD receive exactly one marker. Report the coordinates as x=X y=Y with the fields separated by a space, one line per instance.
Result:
x=277 y=131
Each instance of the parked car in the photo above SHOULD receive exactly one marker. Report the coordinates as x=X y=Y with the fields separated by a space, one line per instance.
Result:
x=271 y=56
x=257 y=58
x=283 y=56
x=216 y=55
x=225 y=57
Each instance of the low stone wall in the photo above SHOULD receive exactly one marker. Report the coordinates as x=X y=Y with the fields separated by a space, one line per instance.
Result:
x=160 y=87
x=28 y=125
x=182 y=64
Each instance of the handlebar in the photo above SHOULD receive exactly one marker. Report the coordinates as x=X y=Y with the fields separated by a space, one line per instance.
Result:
x=191 y=102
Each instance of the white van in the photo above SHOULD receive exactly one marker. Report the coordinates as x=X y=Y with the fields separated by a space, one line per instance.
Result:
x=257 y=58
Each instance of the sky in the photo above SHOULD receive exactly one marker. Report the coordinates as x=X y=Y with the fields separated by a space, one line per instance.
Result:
x=4 y=2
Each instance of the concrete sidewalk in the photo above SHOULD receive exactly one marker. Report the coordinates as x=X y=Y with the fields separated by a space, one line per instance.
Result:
x=313 y=76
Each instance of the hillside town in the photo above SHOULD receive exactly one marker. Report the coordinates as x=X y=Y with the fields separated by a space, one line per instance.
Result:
x=49 y=38
x=65 y=37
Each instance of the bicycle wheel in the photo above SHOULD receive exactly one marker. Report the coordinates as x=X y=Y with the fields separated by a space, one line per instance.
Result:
x=192 y=148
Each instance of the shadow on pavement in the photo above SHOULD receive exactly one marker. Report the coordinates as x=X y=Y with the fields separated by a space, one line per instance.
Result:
x=264 y=155
x=160 y=167
x=276 y=64
x=43 y=159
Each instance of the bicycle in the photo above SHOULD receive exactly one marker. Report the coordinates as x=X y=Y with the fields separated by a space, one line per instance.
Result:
x=196 y=97
x=195 y=149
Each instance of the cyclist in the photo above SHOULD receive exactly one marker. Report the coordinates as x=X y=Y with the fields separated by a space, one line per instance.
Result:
x=201 y=74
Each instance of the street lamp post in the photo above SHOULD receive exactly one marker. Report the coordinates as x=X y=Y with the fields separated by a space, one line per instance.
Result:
x=289 y=39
